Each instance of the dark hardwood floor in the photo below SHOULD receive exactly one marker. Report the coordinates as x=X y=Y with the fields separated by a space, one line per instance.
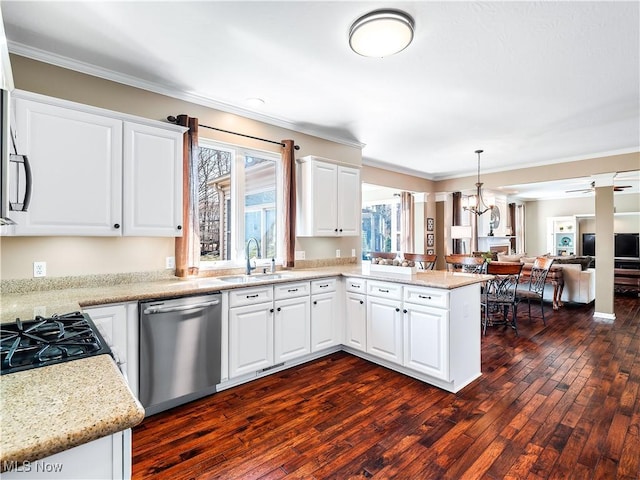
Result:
x=561 y=401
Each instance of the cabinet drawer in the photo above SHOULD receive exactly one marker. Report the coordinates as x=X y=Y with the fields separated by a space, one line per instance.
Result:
x=323 y=285
x=250 y=296
x=356 y=285
x=385 y=290
x=432 y=297
x=290 y=290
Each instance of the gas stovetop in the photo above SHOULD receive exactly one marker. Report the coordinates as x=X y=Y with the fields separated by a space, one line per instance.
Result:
x=46 y=341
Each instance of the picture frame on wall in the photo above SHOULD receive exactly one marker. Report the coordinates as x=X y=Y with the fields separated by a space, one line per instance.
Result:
x=430 y=224
x=431 y=239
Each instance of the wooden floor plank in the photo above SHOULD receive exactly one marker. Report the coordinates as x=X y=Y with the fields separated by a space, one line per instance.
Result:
x=558 y=401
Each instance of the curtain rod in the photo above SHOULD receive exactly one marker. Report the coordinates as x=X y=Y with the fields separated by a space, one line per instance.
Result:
x=173 y=119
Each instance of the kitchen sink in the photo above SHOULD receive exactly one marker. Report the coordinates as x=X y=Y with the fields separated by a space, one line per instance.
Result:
x=254 y=278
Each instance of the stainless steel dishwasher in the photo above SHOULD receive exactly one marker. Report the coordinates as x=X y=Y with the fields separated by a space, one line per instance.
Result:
x=180 y=350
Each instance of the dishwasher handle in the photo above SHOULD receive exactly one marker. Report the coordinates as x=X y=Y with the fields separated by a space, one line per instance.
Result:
x=179 y=308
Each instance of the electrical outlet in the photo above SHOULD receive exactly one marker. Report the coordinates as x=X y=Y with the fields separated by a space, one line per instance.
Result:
x=338 y=253
x=353 y=252
x=170 y=262
x=299 y=255
x=39 y=269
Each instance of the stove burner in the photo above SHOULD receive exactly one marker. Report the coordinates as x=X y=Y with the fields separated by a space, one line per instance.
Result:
x=45 y=341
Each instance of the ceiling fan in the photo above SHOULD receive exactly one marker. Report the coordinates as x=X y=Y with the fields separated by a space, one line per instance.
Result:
x=616 y=188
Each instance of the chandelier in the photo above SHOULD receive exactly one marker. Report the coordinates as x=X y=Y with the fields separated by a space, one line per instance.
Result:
x=475 y=203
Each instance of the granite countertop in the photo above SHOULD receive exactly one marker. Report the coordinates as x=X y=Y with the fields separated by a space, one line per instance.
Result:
x=67 y=404
x=27 y=305
x=50 y=409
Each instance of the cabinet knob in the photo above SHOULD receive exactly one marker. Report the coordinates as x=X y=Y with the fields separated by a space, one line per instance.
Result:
x=279 y=309
x=116 y=225
x=397 y=309
x=361 y=302
x=179 y=227
x=404 y=311
x=341 y=230
x=315 y=302
x=336 y=230
x=271 y=310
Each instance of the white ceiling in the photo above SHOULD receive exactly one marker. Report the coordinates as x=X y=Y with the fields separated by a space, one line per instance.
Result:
x=531 y=83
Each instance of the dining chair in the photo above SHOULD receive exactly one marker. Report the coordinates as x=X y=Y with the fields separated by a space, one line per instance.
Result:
x=427 y=262
x=465 y=263
x=499 y=294
x=534 y=288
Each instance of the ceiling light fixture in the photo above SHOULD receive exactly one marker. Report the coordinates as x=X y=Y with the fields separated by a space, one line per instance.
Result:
x=475 y=203
x=381 y=33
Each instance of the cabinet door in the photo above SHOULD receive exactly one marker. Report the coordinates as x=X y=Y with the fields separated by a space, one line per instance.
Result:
x=324 y=321
x=325 y=199
x=250 y=338
x=349 y=201
x=118 y=324
x=152 y=183
x=384 y=328
x=76 y=163
x=356 y=321
x=111 y=321
x=426 y=340
x=107 y=457
x=292 y=328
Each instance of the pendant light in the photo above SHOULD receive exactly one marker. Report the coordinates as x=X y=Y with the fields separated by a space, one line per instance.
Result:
x=476 y=203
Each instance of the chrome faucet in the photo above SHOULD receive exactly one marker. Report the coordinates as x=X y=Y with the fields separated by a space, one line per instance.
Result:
x=249 y=267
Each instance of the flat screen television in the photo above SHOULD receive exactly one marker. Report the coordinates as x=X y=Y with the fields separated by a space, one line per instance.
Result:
x=589 y=244
x=626 y=245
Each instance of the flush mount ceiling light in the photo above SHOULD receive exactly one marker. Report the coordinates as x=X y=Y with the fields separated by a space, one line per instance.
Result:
x=381 y=33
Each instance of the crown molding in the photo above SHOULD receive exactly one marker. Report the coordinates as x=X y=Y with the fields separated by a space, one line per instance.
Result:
x=396 y=168
x=106 y=74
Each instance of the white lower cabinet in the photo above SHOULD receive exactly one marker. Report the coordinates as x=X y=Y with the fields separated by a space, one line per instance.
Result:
x=356 y=321
x=292 y=327
x=426 y=340
x=384 y=328
x=325 y=316
x=432 y=334
x=101 y=459
x=118 y=324
x=269 y=324
x=250 y=338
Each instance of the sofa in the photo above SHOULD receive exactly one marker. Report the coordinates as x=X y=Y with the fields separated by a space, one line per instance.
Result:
x=579 y=280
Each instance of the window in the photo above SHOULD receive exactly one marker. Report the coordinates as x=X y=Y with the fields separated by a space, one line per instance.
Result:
x=381 y=227
x=240 y=194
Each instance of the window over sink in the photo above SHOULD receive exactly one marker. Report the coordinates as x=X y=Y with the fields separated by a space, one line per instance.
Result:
x=240 y=192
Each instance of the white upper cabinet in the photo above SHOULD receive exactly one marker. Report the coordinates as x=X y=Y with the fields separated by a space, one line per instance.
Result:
x=349 y=201
x=96 y=172
x=152 y=181
x=77 y=170
x=328 y=196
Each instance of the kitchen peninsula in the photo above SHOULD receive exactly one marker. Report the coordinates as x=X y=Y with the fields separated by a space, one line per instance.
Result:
x=426 y=325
